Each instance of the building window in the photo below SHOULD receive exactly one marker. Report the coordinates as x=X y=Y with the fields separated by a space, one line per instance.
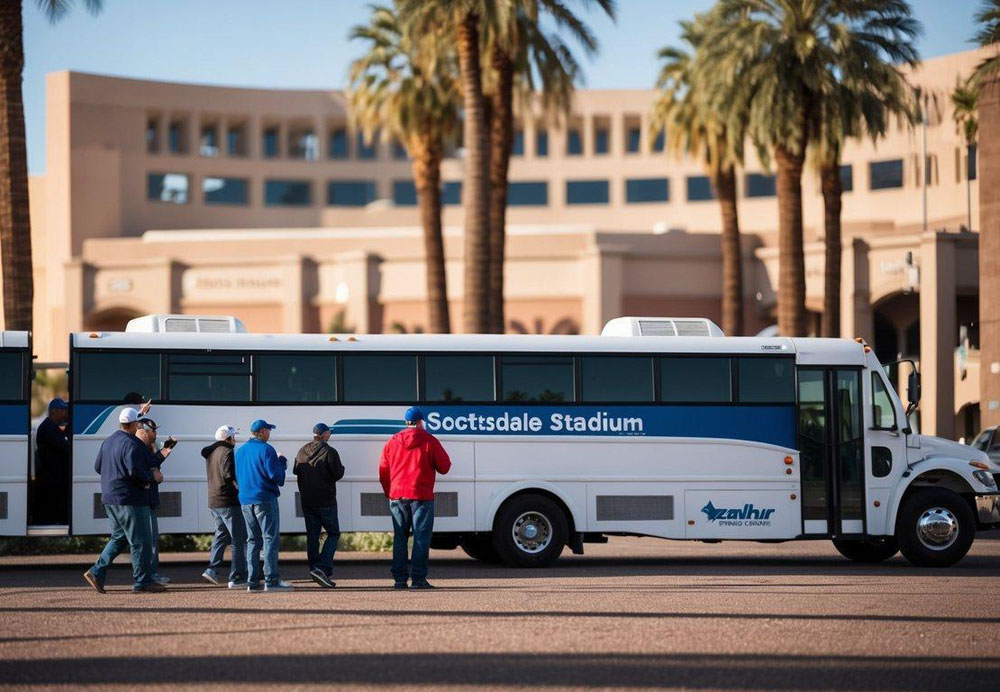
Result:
x=350 y=193
x=517 y=143
x=885 y=175
x=846 y=178
x=574 y=142
x=587 y=192
x=399 y=152
x=542 y=143
x=760 y=185
x=638 y=190
x=699 y=188
x=523 y=193
x=176 y=138
x=236 y=140
x=303 y=144
x=287 y=193
x=153 y=136
x=225 y=190
x=366 y=150
x=167 y=187
x=544 y=379
x=209 y=142
x=270 y=143
x=658 y=142
x=633 y=137
x=971 y=162
x=459 y=378
x=601 y=140
x=404 y=193
x=451 y=193
x=338 y=144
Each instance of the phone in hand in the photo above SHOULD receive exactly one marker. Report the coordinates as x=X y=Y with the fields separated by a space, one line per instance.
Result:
x=170 y=443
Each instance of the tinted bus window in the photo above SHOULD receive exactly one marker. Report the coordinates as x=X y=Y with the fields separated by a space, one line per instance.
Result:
x=110 y=376
x=388 y=378
x=767 y=380
x=537 y=378
x=696 y=380
x=288 y=377
x=458 y=378
x=208 y=377
x=11 y=376
x=616 y=378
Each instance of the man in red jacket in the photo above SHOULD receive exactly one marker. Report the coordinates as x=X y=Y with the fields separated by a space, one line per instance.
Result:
x=410 y=459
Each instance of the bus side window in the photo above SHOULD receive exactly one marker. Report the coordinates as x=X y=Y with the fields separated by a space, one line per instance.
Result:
x=11 y=376
x=696 y=380
x=380 y=378
x=109 y=376
x=543 y=379
x=459 y=378
x=208 y=377
x=883 y=412
x=767 y=380
x=616 y=379
x=296 y=377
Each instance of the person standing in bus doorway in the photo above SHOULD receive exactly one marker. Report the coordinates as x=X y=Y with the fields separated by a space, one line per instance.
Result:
x=260 y=473
x=126 y=475
x=147 y=435
x=407 y=470
x=224 y=503
x=317 y=470
x=52 y=466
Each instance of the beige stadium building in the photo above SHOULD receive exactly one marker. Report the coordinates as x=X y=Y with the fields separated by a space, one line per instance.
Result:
x=268 y=205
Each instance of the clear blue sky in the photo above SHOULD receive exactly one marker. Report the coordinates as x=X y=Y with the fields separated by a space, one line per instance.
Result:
x=303 y=44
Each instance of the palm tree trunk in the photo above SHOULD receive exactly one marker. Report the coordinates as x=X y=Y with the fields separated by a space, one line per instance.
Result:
x=476 y=187
x=791 y=260
x=989 y=251
x=830 y=183
x=732 y=261
x=15 y=225
x=501 y=135
x=427 y=157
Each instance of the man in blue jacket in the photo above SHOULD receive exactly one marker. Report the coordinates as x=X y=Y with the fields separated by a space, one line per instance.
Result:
x=260 y=472
x=126 y=470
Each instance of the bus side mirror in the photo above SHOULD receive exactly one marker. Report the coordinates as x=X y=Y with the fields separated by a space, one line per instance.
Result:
x=913 y=388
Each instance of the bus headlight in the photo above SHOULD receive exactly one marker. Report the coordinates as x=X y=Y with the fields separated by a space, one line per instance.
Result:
x=986 y=478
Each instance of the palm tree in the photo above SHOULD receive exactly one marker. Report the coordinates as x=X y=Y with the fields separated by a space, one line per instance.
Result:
x=15 y=225
x=965 y=105
x=466 y=18
x=521 y=56
x=406 y=86
x=988 y=36
x=775 y=60
x=693 y=127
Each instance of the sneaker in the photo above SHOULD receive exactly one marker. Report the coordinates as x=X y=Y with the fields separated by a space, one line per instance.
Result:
x=210 y=576
x=400 y=586
x=152 y=587
x=418 y=585
x=255 y=587
x=92 y=580
x=238 y=585
x=280 y=586
x=161 y=580
x=322 y=578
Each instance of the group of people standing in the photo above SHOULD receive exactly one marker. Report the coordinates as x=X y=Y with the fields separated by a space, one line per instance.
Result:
x=243 y=488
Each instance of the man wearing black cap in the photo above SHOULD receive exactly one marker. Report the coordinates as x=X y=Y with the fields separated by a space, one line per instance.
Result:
x=52 y=472
x=317 y=469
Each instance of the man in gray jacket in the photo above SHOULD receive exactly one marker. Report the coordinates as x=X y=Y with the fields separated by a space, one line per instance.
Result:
x=317 y=470
x=224 y=503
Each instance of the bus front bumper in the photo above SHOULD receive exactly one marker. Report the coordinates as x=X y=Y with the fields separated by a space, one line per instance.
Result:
x=988 y=509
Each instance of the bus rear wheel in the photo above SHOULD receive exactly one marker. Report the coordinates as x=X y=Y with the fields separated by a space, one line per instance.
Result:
x=479 y=546
x=867 y=550
x=935 y=527
x=530 y=531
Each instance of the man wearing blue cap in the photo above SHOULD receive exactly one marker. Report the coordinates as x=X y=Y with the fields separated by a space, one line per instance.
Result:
x=410 y=460
x=260 y=472
x=317 y=470
x=52 y=472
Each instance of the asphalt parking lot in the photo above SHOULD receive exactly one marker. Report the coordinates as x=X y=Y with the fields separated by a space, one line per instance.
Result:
x=632 y=613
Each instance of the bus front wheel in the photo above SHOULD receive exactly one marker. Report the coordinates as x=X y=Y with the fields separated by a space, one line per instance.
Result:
x=867 y=550
x=935 y=527
x=530 y=531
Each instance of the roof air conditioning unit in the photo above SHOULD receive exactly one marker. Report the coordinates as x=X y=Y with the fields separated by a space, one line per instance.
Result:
x=661 y=326
x=194 y=324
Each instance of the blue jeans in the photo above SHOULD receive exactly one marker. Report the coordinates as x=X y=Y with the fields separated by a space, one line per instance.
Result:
x=130 y=528
x=154 y=533
x=262 y=528
x=321 y=518
x=230 y=529
x=416 y=516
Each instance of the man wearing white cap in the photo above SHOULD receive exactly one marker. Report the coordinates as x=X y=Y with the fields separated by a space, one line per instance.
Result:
x=224 y=503
x=126 y=475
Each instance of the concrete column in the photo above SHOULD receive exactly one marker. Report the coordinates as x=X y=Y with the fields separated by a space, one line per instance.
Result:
x=603 y=286
x=938 y=334
x=361 y=273
x=856 y=314
x=76 y=303
x=293 y=310
x=255 y=134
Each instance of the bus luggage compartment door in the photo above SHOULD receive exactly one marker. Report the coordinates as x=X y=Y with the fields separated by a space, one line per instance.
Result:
x=742 y=514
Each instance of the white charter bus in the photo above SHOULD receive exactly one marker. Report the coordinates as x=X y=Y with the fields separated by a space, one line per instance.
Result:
x=15 y=431
x=658 y=427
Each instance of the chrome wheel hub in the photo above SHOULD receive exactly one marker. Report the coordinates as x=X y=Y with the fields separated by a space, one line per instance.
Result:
x=532 y=532
x=937 y=528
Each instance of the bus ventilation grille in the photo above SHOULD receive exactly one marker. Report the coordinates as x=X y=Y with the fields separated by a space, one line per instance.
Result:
x=197 y=324
x=376 y=505
x=635 y=507
x=673 y=328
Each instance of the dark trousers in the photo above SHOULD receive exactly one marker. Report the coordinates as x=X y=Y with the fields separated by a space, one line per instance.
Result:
x=416 y=517
x=321 y=518
x=130 y=529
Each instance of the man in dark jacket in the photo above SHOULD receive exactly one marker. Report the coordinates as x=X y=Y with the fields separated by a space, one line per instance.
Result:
x=317 y=470
x=407 y=470
x=125 y=466
x=52 y=471
x=224 y=503
x=147 y=435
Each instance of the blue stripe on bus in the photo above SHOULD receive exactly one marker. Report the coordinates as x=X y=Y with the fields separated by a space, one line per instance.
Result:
x=88 y=418
x=14 y=419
